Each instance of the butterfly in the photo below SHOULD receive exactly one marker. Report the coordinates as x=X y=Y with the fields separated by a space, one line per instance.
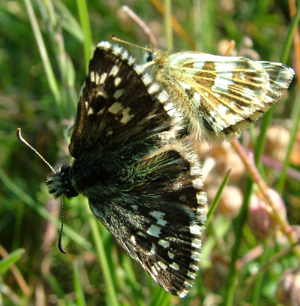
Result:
x=142 y=182
x=218 y=96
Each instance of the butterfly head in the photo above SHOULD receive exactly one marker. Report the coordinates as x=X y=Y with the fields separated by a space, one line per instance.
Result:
x=156 y=59
x=149 y=56
x=60 y=183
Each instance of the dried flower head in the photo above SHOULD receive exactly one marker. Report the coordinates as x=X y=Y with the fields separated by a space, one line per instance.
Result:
x=261 y=218
x=277 y=141
x=288 y=289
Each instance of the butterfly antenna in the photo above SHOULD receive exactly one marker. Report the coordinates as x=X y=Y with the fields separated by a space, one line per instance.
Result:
x=19 y=135
x=62 y=214
x=114 y=38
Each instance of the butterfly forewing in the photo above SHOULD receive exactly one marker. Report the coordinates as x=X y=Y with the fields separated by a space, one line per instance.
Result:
x=119 y=103
x=220 y=96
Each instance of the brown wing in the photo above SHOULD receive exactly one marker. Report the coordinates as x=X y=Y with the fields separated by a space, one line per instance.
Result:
x=118 y=104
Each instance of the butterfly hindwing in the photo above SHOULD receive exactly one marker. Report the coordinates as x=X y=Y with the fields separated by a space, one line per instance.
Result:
x=158 y=215
x=220 y=96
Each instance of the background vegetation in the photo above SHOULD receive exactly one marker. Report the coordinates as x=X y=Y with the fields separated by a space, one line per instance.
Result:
x=44 y=51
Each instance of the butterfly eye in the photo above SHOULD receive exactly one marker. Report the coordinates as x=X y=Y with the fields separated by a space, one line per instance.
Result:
x=149 y=57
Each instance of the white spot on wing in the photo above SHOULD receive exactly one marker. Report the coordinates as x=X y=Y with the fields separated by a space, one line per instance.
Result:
x=100 y=112
x=117 y=50
x=191 y=275
x=154 y=271
x=163 y=96
x=194 y=268
x=159 y=216
x=185 y=85
x=102 y=94
x=134 y=207
x=183 y=293
x=153 y=249
x=131 y=60
x=115 y=108
x=132 y=238
x=195 y=229
x=117 y=81
x=124 y=55
x=126 y=116
x=154 y=230
x=196 y=255
x=198 y=65
x=103 y=78
x=154 y=88
x=226 y=63
x=164 y=243
x=172 y=112
x=222 y=109
x=146 y=78
x=196 y=243
x=222 y=82
x=118 y=107
x=170 y=254
x=141 y=234
x=118 y=93
x=162 y=222
x=138 y=69
x=201 y=198
x=187 y=284
x=164 y=267
x=175 y=266
x=104 y=45
x=157 y=266
x=114 y=70
x=92 y=76
x=168 y=106
x=197 y=183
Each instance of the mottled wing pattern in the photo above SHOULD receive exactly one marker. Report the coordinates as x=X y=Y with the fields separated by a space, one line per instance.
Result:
x=119 y=103
x=158 y=215
x=142 y=183
x=221 y=96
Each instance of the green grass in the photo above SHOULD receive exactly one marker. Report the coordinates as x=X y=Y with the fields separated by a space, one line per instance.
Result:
x=45 y=47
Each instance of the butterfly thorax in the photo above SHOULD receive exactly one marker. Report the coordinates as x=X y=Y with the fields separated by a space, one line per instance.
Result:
x=73 y=179
x=161 y=59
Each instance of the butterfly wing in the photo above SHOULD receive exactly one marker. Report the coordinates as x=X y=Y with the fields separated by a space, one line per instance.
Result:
x=158 y=216
x=221 y=96
x=119 y=103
